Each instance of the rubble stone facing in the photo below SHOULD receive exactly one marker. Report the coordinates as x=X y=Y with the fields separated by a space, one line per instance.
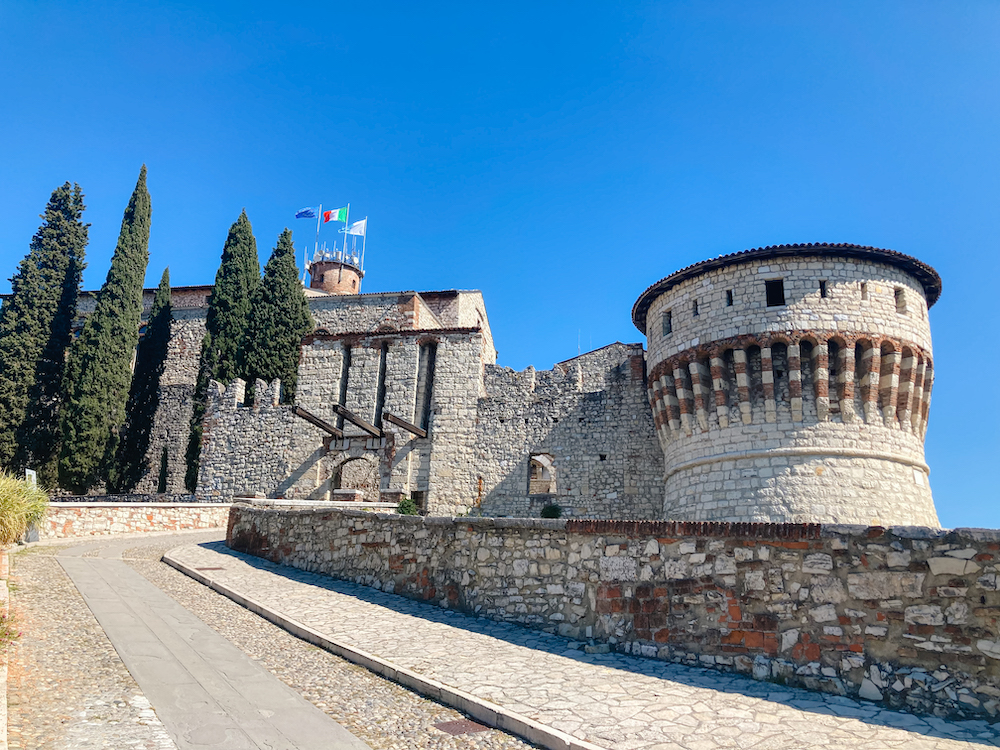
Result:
x=67 y=520
x=906 y=616
x=591 y=416
x=814 y=409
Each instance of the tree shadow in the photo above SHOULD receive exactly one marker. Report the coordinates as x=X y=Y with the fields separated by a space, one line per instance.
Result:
x=691 y=676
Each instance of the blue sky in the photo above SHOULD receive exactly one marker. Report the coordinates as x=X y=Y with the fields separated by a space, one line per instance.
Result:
x=559 y=157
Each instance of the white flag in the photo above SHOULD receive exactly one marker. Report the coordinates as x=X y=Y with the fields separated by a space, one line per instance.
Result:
x=358 y=227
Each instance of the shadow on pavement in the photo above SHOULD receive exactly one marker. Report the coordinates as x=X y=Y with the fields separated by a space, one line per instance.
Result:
x=799 y=698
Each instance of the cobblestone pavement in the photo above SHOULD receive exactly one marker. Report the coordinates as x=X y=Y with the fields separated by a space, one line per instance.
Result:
x=67 y=688
x=617 y=701
x=71 y=668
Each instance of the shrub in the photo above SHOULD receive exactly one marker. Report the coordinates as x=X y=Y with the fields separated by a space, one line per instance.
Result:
x=408 y=507
x=21 y=505
x=552 y=511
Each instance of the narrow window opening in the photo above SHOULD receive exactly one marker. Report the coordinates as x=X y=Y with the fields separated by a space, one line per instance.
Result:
x=345 y=371
x=425 y=383
x=380 y=392
x=541 y=474
x=602 y=456
x=694 y=309
x=420 y=498
x=775 y=292
x=900 y=300
x=864 y=291
x=729 y=298
x=822 y=288
x=668 y=323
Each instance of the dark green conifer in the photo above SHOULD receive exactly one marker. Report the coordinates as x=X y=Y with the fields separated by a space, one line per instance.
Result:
x=99 y=369
x=278 y=321
x=236 y=285
x=130 y=464
x=35 y=330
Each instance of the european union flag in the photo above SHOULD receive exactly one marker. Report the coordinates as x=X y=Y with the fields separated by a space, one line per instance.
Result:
x=305 y=213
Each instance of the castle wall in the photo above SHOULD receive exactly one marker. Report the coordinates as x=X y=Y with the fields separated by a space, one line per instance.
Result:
x=267 y=449
x=906 y=616
x=590 y=416
x=815 y=409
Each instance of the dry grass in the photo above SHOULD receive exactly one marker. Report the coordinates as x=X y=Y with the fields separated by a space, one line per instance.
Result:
x=21 y=505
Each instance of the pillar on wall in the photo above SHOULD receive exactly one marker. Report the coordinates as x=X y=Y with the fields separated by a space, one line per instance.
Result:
x=742 y=384
x=916 y=397
x=795 y=381
x=821 y=380
x=719 y=388
x=845 y=381
x=889 y=386
x=700 y=379
x=767 y=380
x=869 y=383
x=683 y=400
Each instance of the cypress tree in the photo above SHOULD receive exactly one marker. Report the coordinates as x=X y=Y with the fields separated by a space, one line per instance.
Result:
x=236 y=285
x=278 y=321
x=131 y=464
x=35 y=330
x=99 y=369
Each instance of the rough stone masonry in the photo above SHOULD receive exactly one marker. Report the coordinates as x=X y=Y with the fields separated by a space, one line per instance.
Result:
x=783 y=384
x=904 y=616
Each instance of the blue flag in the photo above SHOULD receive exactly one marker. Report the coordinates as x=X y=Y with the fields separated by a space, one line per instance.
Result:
x=305 y=213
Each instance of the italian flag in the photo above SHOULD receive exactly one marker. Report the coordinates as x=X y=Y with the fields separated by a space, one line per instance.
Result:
x=337 y=214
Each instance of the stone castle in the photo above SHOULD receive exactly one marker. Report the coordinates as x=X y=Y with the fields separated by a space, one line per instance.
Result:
x=787 y=383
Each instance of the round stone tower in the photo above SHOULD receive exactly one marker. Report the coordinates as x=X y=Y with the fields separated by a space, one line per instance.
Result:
x=335 y=276
x=792 y=383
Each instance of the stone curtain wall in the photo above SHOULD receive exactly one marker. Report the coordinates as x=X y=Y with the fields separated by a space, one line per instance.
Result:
x=68 y=520
x=591 y=416
x=905 y=616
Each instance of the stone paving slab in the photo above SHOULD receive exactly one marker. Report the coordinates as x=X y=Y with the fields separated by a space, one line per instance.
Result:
x=614 y=701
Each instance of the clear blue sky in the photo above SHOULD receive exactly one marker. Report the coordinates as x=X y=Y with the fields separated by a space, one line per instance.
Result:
x=560 y=158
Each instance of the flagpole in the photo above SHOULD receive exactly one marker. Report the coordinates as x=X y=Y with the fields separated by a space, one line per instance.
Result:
x=347 y=223
x=364 y=240
x=319 y=218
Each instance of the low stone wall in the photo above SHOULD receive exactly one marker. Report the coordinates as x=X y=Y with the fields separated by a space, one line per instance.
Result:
x=152 y=498
x=906 y=616
x=66 y=520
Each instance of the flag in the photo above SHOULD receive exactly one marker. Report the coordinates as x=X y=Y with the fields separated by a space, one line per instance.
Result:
x=358 y=227
x=305 y=213
x=337 y=214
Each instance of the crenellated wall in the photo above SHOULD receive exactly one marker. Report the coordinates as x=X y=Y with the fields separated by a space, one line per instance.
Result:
x=811 y=408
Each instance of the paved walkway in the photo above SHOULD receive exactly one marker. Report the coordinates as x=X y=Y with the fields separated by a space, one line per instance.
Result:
x=614 y=701
x=69 y=689
x=206 y=691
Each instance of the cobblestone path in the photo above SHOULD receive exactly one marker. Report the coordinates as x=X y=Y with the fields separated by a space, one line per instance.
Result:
x=616 y=701
x=69 y=688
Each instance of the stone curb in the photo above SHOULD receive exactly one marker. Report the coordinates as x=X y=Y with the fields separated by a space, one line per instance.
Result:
x=481 y=710
x=5 y=610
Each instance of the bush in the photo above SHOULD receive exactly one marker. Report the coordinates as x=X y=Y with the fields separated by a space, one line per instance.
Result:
x=408 y=507
x=21 y=505
x=552 y=511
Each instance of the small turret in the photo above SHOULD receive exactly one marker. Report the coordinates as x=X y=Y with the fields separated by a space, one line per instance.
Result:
x=335 y=273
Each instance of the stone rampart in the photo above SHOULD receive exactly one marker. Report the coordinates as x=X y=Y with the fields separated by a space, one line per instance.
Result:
x=588 y=420
x=906 y=616
x=68 y=520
